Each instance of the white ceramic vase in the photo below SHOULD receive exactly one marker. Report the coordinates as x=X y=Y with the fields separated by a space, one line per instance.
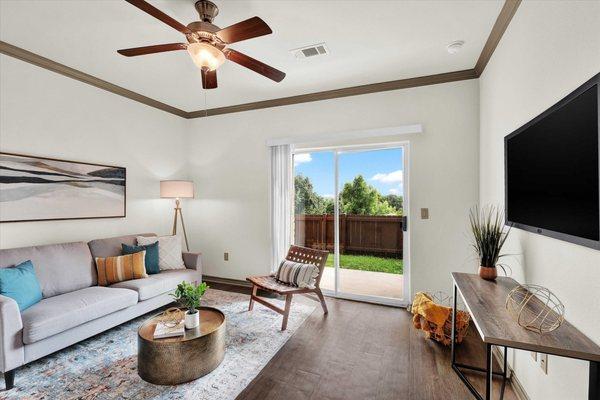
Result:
x=192 y=320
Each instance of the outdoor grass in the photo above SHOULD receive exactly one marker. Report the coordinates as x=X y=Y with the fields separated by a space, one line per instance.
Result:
x=368 y=263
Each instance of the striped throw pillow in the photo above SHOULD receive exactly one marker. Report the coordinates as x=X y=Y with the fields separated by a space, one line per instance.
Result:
x=121 y=268
x=297 y=274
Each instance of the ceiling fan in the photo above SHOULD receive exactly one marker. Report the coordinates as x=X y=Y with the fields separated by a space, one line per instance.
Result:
x=207 y=43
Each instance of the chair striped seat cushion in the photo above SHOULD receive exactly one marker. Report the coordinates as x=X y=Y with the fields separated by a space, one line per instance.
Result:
x=121 y=268
x=297 y=274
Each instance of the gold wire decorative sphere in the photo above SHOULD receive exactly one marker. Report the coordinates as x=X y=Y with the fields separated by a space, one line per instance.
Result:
x=171 y=317
x=444 y=299
x=535 y=308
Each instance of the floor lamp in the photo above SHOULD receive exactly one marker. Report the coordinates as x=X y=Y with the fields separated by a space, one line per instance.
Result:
x=177 y=190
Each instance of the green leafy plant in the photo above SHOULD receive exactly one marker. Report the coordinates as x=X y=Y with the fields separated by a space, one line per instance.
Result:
x=189 y=295
x=489 y=235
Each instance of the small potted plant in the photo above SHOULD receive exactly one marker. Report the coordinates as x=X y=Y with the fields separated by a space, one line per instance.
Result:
x=489 y=235
x=189 y=296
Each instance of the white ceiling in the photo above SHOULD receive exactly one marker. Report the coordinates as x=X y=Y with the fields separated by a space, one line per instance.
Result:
x=370 y=41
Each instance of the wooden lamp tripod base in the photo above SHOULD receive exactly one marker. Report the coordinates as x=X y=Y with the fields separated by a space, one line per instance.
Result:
x=180 y=215
x=177 y=190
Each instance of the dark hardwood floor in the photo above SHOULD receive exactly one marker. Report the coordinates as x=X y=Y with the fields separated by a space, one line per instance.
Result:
x=364 y=351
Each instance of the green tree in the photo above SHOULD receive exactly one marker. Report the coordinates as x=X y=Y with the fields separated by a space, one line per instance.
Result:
x=329 y=205
x=358 y=197
x=384 y=208
x=394 y=201
x=307 y=201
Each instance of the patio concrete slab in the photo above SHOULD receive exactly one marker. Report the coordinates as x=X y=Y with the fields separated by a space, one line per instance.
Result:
x=367 y=283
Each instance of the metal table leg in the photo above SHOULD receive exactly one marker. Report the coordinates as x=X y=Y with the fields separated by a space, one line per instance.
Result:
x=488 y=370
x=489 y=365
x=504 y=372
x=453 y=336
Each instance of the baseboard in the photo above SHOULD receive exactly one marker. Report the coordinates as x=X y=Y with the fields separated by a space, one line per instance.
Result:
x=227 y=281
x=514 y=381
x=518 y=388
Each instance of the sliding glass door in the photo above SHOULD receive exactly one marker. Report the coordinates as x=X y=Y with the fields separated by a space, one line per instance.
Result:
x=314 y=209
x=351 y=201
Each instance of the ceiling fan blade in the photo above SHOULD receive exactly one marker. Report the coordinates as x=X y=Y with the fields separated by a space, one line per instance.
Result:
x=156 y=13
x=159 y=48
x=209 y=79
x=247 y=29
x=254 y=65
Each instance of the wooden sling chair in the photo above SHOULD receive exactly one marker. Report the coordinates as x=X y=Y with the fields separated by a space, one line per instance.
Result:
x=270 y=284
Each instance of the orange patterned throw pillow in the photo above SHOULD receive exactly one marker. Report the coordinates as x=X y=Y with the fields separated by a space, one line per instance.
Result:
x=121 y=268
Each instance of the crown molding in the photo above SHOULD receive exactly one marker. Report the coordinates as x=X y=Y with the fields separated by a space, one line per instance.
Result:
x=337 y=93
x=43 y=62
x=506 y=14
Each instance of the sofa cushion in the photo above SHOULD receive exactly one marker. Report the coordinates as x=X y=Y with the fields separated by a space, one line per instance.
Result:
x=60 y=313
x=151 y=255
x=20 y=284
x=169 y=251
x=297 y=274
x=111 y=247
x=60 y=268
x=121 y=268
x=158 y=284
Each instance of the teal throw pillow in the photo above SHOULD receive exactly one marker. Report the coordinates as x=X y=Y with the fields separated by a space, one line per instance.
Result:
x=21 y=284
x=151 y=255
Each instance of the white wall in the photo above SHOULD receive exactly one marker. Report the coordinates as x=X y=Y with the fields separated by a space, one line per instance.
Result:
x=229 y=163
x=549 y=49
x=46 y=114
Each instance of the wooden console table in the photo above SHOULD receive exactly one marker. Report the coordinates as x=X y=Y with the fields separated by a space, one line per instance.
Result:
x=485 y=301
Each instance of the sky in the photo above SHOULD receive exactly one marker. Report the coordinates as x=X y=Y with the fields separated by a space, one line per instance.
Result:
x=381 y=168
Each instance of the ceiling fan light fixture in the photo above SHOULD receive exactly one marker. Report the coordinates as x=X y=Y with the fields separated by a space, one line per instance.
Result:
x=207 y=42
x=206 y=56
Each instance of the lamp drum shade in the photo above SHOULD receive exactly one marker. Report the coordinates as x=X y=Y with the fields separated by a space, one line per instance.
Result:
x=176 y=189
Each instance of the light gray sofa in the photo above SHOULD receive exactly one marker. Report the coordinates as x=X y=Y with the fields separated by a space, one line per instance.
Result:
x=73 y=307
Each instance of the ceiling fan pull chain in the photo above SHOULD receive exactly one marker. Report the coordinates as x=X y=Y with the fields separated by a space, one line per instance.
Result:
x=205 y=105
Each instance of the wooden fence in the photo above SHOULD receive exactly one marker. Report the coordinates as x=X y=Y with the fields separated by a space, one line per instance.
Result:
x=359 y=234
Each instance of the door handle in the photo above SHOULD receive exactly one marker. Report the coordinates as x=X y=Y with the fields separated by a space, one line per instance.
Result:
x=404 y=223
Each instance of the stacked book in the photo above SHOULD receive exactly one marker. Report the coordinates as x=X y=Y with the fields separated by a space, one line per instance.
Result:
x=167 y=330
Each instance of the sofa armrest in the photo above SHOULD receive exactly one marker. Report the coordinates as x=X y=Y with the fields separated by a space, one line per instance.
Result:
x=193 y=261
x=12 y=354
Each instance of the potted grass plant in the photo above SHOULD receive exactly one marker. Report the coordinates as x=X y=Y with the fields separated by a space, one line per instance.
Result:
x=189 y=296
x=489 y=235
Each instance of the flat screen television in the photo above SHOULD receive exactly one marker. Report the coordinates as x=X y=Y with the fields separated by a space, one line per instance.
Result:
x=552 y=164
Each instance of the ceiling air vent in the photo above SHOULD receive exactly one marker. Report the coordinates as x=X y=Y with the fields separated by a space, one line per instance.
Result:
x=310 y=51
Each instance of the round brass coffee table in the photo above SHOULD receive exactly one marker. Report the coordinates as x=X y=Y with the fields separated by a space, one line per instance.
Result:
x=171 y=361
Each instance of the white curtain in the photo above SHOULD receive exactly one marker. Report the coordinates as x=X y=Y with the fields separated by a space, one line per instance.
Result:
x=281 y=201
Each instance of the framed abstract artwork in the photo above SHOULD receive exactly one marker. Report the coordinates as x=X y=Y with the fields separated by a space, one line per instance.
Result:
x=41 y=189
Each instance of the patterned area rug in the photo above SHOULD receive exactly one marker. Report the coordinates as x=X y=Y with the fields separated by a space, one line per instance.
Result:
x=105 y=366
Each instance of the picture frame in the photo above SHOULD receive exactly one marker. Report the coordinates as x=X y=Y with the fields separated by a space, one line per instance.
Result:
x=34 y=188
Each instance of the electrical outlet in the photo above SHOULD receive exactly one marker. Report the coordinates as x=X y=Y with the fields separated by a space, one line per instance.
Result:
x=544 y=363
x=226 y=256
x=534 y=356
x=424 y=213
